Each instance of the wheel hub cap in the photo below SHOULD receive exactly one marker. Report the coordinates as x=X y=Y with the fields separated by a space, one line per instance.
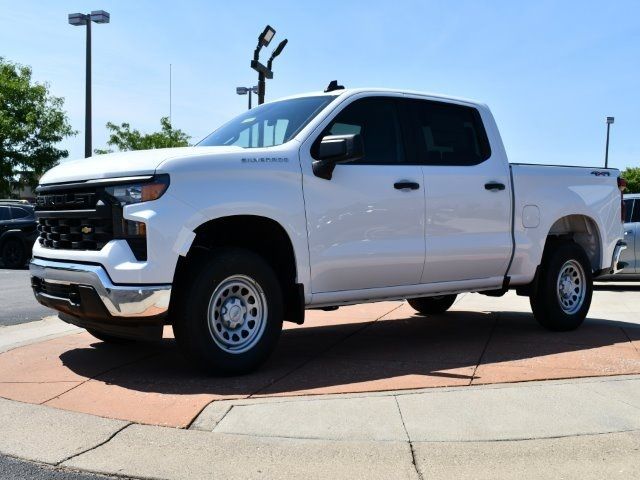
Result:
x=237 y=314
x=233 y=312
x=571 y=287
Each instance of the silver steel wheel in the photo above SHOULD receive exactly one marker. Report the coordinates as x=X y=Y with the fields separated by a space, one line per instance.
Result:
x=571 y=287
x=237 y=314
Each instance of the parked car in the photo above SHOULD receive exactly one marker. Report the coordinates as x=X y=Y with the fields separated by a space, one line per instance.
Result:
x=630 y=257
x=17 y=232
x=318 y=201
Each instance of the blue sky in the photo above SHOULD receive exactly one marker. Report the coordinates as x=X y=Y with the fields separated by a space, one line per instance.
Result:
x=550 y=70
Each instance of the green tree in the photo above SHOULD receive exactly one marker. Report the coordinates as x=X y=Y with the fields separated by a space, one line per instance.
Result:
x=32 y=122
x=632 y=176
x=124 y=138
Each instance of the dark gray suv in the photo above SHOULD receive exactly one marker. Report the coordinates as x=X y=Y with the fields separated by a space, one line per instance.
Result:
x=17 y=233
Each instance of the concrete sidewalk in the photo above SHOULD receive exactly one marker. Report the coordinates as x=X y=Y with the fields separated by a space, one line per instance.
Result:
x=588 y=429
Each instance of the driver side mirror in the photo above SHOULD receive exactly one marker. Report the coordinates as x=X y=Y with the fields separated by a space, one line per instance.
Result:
x=335 y=149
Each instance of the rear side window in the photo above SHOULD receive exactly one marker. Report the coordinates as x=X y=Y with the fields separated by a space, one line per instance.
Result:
x=628 y=210
x=448 y=134
x=375 y=119
x=19 y=212
x=5 y=213
x=635 y=217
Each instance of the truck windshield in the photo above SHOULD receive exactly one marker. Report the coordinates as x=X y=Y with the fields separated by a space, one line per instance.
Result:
x=269 y=124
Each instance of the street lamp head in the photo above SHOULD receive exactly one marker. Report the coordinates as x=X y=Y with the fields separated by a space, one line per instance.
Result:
x=279 y=48
x=100 y=16
x=242 y=90
x=610 y=120
x=266 y=36
x=254 y=89
x=77 y=19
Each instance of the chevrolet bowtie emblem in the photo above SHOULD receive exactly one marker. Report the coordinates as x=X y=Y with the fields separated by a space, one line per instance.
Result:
x=87 y=229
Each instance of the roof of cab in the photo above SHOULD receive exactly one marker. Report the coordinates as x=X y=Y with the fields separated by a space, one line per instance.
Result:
x=353 y=91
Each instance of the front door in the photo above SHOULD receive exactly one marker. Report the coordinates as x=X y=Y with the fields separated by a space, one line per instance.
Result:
x=366 y=224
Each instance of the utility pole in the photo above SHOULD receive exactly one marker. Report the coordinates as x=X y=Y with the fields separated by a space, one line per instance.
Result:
x=170 y=123
x=247 y=91
x=81 y=19
x=265 y=73
x=610 y=120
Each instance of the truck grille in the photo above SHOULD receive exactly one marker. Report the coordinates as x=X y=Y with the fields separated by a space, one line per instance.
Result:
x=81 y=216
x=74 y=219
x=66 y=201
x=75 y=233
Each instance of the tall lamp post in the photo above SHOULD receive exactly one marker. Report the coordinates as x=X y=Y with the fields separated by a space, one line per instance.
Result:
x=247 y=90
x=265 y=72
x=610 y=120
x=77 y=20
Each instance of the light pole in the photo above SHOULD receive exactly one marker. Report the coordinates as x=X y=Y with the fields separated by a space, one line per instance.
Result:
x=77 y=20
x=610 y=120
x=265 y=72
x=247 y=90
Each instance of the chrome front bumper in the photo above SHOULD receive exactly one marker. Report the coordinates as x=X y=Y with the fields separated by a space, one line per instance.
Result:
x=86 y=291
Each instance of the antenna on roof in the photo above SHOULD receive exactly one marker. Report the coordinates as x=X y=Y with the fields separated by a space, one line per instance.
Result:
x=333 y=85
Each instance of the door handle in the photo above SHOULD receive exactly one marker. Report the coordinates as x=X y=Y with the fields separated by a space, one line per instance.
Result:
x=494 y=186
x=404 y=185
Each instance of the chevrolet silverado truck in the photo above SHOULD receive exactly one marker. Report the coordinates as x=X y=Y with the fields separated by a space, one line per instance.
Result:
x=313 y=202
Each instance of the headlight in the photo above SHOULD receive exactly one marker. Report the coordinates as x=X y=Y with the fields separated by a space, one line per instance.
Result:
x=139 y=192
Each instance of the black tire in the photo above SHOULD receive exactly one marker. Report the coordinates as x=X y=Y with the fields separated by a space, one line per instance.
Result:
x=14 y=255
x=561 y=297
x=432 y=305
x=108 y=338
x=210 y=305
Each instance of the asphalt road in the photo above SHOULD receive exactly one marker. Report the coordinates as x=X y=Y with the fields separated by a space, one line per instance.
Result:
x=12 y=469
x=17 y=304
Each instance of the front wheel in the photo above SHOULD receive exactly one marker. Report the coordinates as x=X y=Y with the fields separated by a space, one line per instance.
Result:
x=562 y=297
x=230 y=316
x=432 y=305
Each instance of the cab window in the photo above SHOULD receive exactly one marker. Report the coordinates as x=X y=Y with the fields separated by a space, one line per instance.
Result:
x=628 y=210
x=635 y=216
x=447 y=134
x=375 y=119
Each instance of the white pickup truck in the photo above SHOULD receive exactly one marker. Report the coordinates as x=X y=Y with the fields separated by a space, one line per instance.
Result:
x=317 y=201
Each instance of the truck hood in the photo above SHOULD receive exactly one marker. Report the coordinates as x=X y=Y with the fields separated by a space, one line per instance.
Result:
x=124 y=164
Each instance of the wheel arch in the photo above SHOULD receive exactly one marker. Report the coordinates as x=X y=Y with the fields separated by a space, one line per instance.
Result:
x=263 y=236
x=581 y=229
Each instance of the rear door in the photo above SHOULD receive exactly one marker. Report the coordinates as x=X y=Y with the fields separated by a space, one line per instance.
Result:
x=468 y=192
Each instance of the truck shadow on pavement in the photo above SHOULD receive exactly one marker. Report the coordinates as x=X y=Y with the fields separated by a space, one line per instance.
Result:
x=337 y=355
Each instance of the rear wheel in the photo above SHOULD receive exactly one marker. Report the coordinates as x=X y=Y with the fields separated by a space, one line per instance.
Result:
x=230 y=317
x=561 y=299
x=432 y=305
x=14 y=254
